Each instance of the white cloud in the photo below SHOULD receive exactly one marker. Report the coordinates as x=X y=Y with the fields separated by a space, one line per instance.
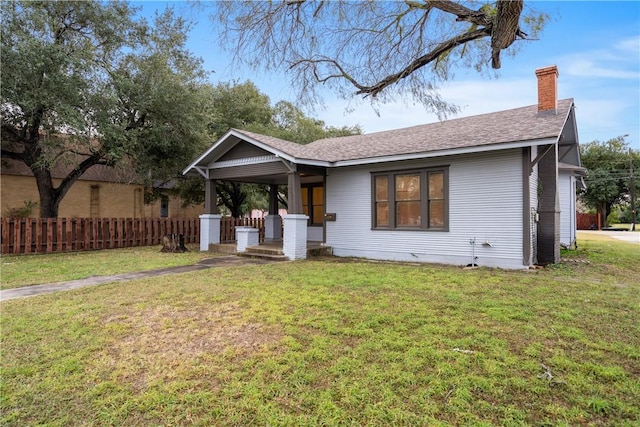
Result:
x=472 y=96
x=598 y=117
x=620 y=61
x=605 y=84
x=581 y=66
x=630 y=45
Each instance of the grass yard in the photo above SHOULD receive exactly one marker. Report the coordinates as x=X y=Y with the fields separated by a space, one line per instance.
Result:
x=335 y=342
x=26 y=270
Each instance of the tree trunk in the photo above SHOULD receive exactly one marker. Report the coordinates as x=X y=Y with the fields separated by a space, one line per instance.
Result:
x=604 y=209
x=49 y=196
x=232 y=195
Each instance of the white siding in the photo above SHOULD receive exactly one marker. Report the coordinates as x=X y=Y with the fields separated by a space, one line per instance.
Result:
x=485 y=203
x=567 y=191
x=314 y=233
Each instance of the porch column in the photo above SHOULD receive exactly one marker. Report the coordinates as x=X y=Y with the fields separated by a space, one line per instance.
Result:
x=294 y=244
x=273 y=221
x=294 y=193
x=210 y=197
x=246 y=237
x=210 y=220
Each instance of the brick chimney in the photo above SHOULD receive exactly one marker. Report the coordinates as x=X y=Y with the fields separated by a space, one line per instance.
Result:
x=547 y=88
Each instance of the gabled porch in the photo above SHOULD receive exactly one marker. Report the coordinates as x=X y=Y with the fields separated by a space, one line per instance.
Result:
x=244 y=157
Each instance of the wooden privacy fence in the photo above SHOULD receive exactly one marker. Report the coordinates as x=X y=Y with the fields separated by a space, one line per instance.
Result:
x=40 y=235
x=586 y=221
x=228 y=228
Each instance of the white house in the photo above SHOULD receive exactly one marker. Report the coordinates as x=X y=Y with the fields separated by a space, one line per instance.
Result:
x=495 y=189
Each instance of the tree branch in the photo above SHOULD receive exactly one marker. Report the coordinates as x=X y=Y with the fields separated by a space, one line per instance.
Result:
x=67 y=182
x=375 y=89
x=423 y=60
x=463 y=13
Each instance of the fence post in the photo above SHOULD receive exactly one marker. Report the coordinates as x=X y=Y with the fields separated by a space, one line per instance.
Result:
x=6 y=224
x=27 y=235
x=17 y=238
x=86 y=222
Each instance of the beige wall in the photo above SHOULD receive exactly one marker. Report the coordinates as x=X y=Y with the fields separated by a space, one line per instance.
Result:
x=175 y=209
x=114 y=200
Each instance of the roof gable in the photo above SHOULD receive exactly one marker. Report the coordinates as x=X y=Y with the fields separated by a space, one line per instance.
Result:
x=242 y=150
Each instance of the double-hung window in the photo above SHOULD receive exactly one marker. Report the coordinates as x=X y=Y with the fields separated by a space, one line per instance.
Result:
x=411 y=200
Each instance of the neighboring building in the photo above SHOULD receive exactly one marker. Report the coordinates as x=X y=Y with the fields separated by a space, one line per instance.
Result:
x=101 y=192
x=499 y=187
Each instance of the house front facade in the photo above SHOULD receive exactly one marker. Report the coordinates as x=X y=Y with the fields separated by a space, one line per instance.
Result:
x=482 y=190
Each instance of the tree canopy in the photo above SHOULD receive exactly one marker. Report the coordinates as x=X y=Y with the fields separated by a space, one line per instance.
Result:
x=375 y=49
x=243 y=106
x=87 y=83
x=609 y=174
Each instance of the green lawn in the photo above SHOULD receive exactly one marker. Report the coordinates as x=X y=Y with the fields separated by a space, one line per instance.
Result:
x=26 y=270
x=334 y=342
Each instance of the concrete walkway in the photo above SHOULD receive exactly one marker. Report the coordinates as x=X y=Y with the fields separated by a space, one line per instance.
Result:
x=625 y=236
x=29 y=291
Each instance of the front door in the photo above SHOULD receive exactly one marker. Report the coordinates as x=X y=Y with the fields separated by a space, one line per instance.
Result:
x=313 y=207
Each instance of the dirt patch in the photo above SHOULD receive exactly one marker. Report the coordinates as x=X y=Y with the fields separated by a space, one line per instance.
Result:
x=155 y=343
x=187 y=332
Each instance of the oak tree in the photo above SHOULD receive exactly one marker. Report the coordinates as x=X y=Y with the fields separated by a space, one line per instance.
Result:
x=88 y=83
x=244 y=106
x=609 y=167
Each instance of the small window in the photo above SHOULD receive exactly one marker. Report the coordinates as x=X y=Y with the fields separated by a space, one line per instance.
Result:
x=410 y=200
x=164 y=206
x=94 y=202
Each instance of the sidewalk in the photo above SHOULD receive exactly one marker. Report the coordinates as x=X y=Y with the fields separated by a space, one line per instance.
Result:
x=625 y=236
x=29 y=291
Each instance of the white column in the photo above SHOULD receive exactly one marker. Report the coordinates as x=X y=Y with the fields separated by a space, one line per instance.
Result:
x=294 y=245
x=245 y=237
x=209 y=230
x=273 y=227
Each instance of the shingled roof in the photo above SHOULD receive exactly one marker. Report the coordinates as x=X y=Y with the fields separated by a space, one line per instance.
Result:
x=515 y=125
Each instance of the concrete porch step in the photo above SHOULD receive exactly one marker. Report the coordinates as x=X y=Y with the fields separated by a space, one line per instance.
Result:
x=258 y=255
x=319 y=251
x=271 y=250
x=264 y=249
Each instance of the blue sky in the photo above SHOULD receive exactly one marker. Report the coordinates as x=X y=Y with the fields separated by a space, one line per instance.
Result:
x=595 y=44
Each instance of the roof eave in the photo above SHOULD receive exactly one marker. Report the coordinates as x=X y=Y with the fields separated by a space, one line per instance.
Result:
x=446 y=152
x=197 y=162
